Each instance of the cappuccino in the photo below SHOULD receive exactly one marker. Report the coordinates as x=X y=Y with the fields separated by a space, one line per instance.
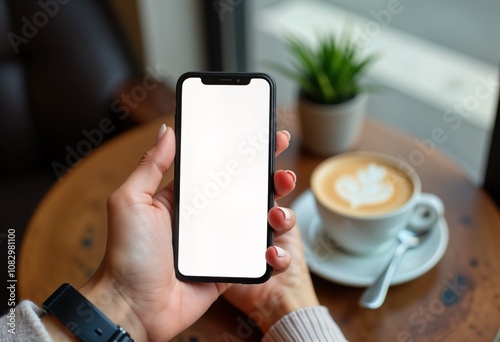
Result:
x=361 y=185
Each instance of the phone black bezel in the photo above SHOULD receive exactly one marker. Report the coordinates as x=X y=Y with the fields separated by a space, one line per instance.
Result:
x=227 y=79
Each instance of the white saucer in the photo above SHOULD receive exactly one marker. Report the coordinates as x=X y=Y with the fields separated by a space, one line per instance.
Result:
x=333 y=264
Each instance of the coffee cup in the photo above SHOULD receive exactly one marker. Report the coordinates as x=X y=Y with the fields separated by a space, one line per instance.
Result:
x=365 y=199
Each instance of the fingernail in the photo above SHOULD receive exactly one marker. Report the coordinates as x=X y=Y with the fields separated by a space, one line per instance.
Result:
x=280 y=253
x=287 y=134
x=161 y=132
x=293 y=175
x=285 y=212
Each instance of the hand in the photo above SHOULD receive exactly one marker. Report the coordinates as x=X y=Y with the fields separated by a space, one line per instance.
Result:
x=135 y=285
x=286 y=292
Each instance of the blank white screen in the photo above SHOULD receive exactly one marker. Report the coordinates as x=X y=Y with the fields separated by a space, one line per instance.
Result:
x=224 y=167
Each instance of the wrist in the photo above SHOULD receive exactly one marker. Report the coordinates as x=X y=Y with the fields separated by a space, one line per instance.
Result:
x=283 y=306
x=107 y=302
x=104 y=292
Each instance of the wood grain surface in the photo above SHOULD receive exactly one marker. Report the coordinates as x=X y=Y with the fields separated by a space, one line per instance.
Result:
x=65 y=242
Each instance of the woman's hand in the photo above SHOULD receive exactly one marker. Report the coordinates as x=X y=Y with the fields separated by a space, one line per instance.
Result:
x=135 y=285
x=288 y=291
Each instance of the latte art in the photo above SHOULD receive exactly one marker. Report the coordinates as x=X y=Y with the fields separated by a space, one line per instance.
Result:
x=368 y=186
x=361 y=185
x=364 y=199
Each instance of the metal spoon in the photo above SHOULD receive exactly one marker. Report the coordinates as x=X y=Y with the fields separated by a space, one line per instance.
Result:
x=420 y=225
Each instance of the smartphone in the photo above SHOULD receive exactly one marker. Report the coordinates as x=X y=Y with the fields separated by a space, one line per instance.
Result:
x=225 y=145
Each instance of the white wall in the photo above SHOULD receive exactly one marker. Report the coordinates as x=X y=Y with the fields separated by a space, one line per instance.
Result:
x=173 y=36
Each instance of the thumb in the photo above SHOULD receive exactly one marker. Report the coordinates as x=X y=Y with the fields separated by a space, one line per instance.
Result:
x=148 y=174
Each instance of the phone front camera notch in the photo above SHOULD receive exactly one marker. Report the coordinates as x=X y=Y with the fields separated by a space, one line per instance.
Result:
x=209 y=80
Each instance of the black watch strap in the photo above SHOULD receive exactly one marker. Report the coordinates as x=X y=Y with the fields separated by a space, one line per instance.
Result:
x=82 y=318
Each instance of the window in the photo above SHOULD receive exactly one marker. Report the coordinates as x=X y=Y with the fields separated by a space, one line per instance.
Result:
x=439 y=57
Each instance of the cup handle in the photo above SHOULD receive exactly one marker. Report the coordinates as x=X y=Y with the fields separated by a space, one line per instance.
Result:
x=432 y=201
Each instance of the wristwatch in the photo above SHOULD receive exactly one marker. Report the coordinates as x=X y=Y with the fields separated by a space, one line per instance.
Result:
x=82 y=318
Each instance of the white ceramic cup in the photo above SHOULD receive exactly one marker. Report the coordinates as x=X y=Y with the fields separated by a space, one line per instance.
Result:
x=359 y=232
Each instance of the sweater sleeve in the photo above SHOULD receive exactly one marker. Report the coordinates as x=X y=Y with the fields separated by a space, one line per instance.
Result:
x=306 y=324
x=23 y=323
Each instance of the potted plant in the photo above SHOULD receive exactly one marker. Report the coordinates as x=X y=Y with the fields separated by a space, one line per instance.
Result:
x=332 y=101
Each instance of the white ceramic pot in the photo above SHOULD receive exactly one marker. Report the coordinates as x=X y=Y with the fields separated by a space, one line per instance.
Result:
x=331 y=129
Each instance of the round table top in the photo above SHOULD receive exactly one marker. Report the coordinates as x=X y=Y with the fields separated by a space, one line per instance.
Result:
x=66 y=237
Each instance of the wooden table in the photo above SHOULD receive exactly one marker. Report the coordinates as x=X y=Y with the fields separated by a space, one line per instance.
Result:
x=65 y=242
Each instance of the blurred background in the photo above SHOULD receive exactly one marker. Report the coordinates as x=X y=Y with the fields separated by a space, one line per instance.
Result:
x=433 y=55
x=67 y=65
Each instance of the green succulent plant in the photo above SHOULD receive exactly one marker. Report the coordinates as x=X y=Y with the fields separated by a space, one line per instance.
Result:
x=328 y=73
